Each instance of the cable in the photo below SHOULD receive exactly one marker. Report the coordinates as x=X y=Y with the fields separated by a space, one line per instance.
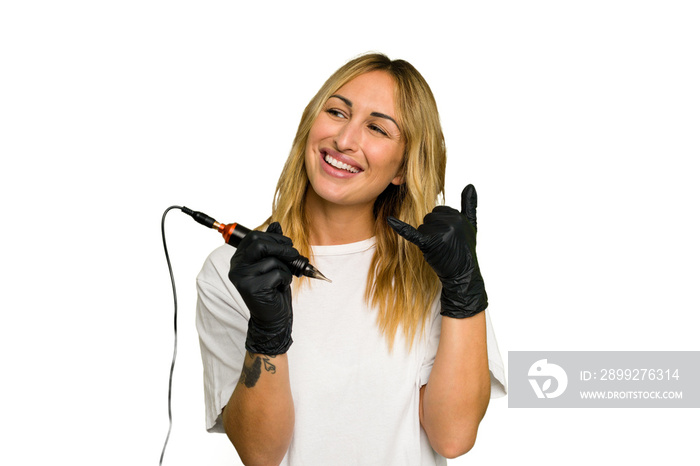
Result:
x=233 y=233
x=172 y=365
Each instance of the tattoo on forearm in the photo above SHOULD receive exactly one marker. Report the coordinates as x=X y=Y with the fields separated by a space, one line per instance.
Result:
x=251 y=371
x=252 y=368
x=269 y=367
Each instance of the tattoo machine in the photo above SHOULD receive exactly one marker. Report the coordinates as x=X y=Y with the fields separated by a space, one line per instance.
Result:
x=233 y=233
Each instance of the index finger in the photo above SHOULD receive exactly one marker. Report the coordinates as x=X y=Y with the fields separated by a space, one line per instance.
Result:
x=258 y=245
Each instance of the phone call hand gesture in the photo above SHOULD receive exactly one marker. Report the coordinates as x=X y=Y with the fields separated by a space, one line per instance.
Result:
x=447 y=239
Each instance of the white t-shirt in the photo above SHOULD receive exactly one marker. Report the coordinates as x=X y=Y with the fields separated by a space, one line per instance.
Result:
x=355 y=401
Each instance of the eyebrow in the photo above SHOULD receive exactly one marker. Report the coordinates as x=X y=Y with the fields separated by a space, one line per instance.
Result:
x=374 y=114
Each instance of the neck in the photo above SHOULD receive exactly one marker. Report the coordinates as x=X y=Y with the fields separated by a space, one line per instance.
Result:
x=331 y=224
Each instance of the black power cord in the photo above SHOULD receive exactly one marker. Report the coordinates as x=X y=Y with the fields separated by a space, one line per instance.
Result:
x=233 y=234
x=172 y=364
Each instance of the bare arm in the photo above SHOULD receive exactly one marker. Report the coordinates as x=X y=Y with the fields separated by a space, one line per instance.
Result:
x=259 y=417
x=455 y=399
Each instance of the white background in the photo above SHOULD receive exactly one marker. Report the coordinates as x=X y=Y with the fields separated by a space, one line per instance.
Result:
x=576 y=121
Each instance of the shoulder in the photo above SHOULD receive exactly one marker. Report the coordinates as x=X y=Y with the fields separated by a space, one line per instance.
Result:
x=216 y=295
x=216 y=265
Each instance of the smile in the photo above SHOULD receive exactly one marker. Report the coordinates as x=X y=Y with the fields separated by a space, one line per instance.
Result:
x=340 y=165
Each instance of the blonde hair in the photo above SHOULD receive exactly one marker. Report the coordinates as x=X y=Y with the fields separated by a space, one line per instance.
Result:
x=400 y=284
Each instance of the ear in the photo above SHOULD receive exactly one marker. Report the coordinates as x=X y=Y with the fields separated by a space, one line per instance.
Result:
x=398 y=180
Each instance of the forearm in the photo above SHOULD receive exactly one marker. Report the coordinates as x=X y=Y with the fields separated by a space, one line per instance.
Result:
x=259 y=417
x=456 y=397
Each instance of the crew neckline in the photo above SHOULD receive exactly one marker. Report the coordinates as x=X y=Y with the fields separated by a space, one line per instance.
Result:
x=349 y=248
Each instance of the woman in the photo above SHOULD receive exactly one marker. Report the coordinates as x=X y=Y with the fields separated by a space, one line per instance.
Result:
x=389 y=363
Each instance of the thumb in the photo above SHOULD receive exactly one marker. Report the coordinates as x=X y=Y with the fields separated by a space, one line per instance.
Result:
x=469 y=204
x=274 y=227
x=405 y=230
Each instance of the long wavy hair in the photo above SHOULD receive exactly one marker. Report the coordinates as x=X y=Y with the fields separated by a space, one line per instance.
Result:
x=400 y=284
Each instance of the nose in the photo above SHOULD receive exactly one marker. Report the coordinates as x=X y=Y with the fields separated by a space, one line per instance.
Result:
x=348 y=137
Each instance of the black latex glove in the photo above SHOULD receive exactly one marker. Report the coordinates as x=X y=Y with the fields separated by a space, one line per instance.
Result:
x=447 y=239
x=261 y=277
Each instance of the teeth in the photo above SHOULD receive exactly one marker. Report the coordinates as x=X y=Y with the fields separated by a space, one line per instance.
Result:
x=341 y=165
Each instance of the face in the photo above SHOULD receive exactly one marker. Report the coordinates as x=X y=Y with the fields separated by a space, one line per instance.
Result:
x=355 y=148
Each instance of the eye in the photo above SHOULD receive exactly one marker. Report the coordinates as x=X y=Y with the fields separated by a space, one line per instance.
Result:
x=377 y=129
x=335 y=113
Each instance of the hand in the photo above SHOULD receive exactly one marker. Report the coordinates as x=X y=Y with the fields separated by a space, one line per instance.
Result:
x=447 y=239
x=261 y=277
